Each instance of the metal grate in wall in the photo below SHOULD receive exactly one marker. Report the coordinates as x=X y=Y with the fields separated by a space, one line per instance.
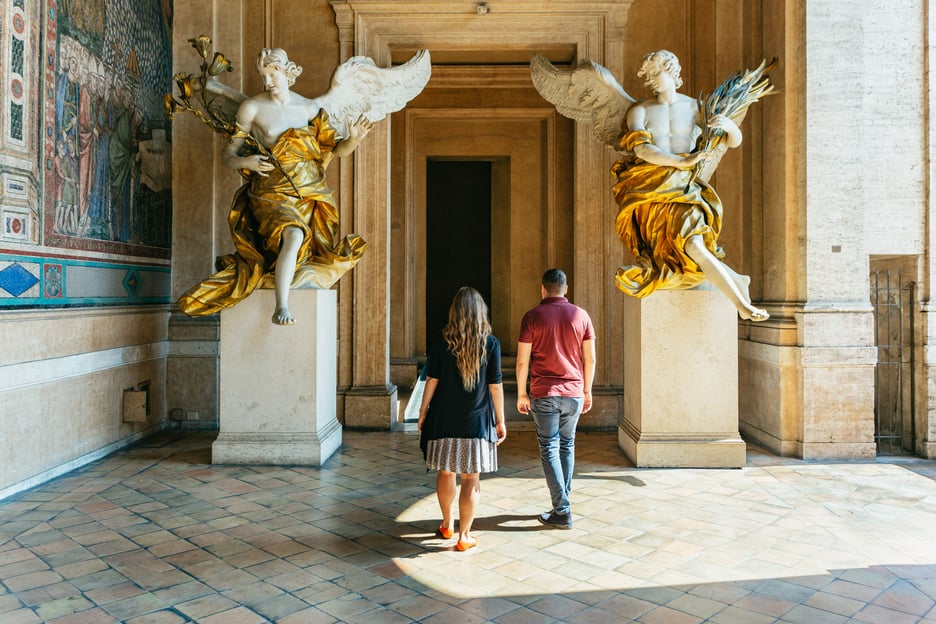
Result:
x=892 y=300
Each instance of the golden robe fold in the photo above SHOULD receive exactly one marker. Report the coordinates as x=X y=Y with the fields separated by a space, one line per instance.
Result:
x=660 y=208
x=263 y=207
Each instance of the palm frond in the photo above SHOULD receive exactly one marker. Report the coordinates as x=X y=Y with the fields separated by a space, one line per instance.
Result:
x=732 y=99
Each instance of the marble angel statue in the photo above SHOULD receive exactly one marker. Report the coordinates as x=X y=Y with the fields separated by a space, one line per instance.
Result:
x=669 y=217
x=284 y=220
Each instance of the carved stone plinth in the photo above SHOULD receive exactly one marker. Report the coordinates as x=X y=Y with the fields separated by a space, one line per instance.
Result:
x=681 y=381
x=278 y=384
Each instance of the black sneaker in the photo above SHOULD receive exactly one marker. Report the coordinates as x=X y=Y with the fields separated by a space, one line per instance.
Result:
x=555 y=520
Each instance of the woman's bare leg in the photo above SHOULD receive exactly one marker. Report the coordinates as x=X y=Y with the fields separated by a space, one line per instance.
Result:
x=285 y=270
x=445 y=492
x=467 y=502
x=731 y=284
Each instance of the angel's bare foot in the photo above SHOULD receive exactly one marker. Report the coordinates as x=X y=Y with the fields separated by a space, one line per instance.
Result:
x=282 y=317
x=751 y=313
x=745 y=309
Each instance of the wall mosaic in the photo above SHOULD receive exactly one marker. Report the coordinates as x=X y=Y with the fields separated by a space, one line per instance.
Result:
x=85 y=212
x=106 y=132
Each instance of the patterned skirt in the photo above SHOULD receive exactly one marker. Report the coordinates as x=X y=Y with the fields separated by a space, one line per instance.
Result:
x=462 y=455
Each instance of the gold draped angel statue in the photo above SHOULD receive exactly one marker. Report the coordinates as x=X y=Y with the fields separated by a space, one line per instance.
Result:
x=670 y=145
x=284 y=220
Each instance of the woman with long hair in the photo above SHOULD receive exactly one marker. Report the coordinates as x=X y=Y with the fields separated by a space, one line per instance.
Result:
x=461 y=418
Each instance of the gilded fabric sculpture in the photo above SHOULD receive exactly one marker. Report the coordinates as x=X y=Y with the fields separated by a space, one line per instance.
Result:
x=284 y=221
x=670 y=145
x=660 y=209
x=263 y=207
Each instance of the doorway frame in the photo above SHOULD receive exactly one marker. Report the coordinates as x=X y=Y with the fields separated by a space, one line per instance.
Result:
x=374 y=28
x=412 y=335
x=498 y=225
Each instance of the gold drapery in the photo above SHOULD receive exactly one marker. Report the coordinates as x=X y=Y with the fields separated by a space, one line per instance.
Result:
x=263 y=207
x=660 y=208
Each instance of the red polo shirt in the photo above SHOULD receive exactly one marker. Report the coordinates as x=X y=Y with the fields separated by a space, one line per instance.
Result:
x=556 y=329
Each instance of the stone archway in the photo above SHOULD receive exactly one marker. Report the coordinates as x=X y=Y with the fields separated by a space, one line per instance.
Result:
x=385 y=30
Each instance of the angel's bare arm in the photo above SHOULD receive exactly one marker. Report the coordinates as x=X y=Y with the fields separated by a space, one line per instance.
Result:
x=730 y=128
x=231 y=153
x=356 y=133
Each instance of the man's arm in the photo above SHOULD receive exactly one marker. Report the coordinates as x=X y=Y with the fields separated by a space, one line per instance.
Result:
x=588 y=360
x=523 y=370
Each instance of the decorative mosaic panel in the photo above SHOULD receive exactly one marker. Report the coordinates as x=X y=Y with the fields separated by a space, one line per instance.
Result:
x=85 y=170
x=28 y=282
x=107 y=154
x=18 y=71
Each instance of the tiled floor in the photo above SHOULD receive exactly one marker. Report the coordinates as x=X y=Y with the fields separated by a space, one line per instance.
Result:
x=156 y=534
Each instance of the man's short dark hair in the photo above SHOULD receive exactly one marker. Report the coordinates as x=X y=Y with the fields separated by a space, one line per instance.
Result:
x=554 y=281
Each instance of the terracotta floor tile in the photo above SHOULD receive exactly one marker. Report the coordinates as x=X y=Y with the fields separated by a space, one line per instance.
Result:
x=62 y=607
x=31 y=580
x=237 y=615
x=113 y=593
x=310 y=615
x=154 y=534
x=21 y=616
x=159 y=617
x=279 y=606
x=134 y=606
x=91 y=616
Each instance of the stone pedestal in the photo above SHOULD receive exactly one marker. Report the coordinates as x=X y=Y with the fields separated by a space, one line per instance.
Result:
x=681 y=381
x=278 y=383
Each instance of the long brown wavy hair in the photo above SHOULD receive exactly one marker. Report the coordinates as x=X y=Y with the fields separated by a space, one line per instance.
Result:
x=466 y=334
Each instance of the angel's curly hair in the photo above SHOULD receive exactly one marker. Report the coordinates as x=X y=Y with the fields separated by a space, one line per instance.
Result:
x=666 y=61
x=466 y=334
x=276 y=57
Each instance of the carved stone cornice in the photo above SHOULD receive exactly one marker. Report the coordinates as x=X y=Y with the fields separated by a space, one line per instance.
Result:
x=503 y=18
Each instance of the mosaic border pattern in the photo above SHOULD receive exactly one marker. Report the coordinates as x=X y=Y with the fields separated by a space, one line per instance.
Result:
x=43 y=282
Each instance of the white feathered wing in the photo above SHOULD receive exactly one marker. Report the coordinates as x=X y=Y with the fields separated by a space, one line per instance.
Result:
x=588 y=94
x=359 y=88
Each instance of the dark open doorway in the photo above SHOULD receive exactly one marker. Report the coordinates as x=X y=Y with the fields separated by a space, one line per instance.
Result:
x=458 y=234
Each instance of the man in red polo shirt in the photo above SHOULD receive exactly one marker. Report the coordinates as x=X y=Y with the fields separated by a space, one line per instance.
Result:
x=557 y=352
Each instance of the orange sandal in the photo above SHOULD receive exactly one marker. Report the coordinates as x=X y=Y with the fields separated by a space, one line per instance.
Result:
x=445 y=532
x=463 y=546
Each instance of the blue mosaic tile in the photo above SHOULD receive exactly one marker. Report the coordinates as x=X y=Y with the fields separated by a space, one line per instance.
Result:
x=16 y=280
x=132 y=283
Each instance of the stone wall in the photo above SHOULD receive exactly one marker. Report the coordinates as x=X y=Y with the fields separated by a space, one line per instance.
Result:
x=833 y=170
x=791 y=193
x=85 y=211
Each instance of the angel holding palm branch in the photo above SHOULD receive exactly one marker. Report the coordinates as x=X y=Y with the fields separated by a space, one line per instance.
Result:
x=669 y=216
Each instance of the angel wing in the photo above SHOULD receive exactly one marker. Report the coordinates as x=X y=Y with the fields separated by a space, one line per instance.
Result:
x=223 y=100
x=588 y=94
x=361 y=88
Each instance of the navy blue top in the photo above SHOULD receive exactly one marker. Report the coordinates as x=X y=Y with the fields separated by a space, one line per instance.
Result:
x=455 y=412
